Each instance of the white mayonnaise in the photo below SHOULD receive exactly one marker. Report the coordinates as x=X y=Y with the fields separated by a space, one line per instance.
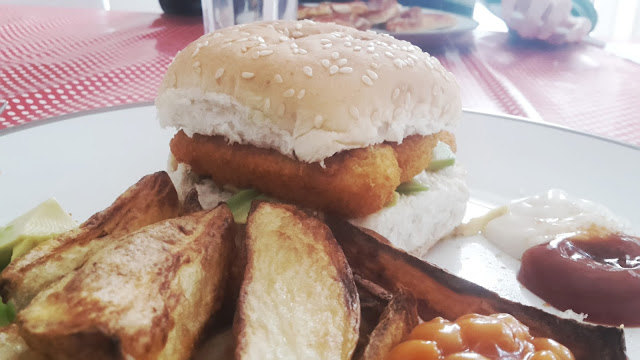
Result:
x=540 y=218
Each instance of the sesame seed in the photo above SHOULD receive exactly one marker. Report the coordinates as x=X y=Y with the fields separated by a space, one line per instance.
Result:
x=342 y=62
x=248 y=75
x=395 y=94
x=262 y=46
x=376 y=56
x=354 y=112
x=242 y=39
x=253 y=38
x=244 y=33
x=298 y=26
x=374 y=65
x=371 y=32
x=335 y=55
x=228 y=40
x=288 y=93
x=414 y=57
x=346 y=70
x=357 y=48
x=394 y=46
x=196 y=51
x=398 y=63
x=196 y=64
x=325 y=63
x=327 y=46
x=278 y=79
x=255 y=55
x=389 y=55
x=266 y=52
x=372 y=74
x=286 y=31
x=281 y=108
x=302 y=51
x=367 y=80
x=219 y=74
x=215 y=35
x=371 y=49
x=318 y=121
x=404 y=48
x=293 y=45
x=267 y=104
x=297 y=34
x=301 y=94
x=325 y=41
x=428 y=63
x=283 y=38
x=333 y=69
x=243 y=49
x=347 y=44
x=296 y=50
x=307 y=71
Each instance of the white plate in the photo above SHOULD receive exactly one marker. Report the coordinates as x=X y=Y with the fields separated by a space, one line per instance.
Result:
x=87 y=161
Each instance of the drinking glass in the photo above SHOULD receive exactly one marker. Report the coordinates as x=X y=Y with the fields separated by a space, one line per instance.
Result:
x=217 y=14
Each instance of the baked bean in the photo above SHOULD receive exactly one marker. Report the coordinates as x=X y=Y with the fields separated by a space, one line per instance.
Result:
x=558 y=349
x=445 y=333
x=415 y=350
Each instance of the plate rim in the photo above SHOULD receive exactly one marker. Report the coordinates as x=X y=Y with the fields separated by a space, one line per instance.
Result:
x=500 y=116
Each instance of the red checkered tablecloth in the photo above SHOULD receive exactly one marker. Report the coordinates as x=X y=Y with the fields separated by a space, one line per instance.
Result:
x=56 y=61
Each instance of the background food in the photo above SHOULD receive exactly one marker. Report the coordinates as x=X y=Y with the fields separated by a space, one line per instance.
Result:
x=380 y=14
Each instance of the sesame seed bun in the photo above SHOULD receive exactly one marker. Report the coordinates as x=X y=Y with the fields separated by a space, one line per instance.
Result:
x=308 y=90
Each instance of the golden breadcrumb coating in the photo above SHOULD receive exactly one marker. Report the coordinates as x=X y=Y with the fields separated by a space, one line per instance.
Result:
x=352 y=184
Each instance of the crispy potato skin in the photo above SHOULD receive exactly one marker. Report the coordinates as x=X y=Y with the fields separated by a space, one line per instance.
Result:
x=352 y=184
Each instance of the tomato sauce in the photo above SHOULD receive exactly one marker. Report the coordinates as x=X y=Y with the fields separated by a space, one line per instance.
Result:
x=595 y=274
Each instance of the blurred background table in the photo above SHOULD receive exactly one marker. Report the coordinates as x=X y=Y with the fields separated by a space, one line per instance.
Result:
x=59 y=61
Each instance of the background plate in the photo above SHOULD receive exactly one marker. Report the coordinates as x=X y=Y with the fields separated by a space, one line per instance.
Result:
x=87 y=161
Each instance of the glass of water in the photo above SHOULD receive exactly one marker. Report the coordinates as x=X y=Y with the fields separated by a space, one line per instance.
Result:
x=217 y=14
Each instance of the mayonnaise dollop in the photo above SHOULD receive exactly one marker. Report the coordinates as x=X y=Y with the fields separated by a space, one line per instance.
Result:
x=541 y=218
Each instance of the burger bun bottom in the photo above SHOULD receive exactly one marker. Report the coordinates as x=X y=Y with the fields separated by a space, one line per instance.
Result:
x=414 y=223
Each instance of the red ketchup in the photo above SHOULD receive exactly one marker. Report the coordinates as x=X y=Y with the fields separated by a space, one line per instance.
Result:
x=598 y=275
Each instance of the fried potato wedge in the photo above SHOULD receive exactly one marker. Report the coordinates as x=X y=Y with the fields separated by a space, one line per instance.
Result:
x=150 y=200
x=298 y=298
x=13 y=347
x=396 y=322
x=144 y=296
x=440 y=293
x=220 y=346
x=373 y=301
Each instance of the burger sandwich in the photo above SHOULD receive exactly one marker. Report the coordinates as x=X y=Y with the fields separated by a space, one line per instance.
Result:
x=351 y=123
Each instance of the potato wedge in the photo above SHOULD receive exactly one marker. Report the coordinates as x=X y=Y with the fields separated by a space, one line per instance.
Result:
x=440 y=293
x=298 y=298
x=219 y=346
x=373 y=301
x=396 y=322
x=144 y=296
x=13 y=347
x=150 y=200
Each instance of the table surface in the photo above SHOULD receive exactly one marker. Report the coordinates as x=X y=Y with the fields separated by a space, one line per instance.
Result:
x=58 y=61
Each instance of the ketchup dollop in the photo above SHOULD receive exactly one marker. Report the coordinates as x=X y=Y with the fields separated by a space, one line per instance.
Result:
x=595 y=274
